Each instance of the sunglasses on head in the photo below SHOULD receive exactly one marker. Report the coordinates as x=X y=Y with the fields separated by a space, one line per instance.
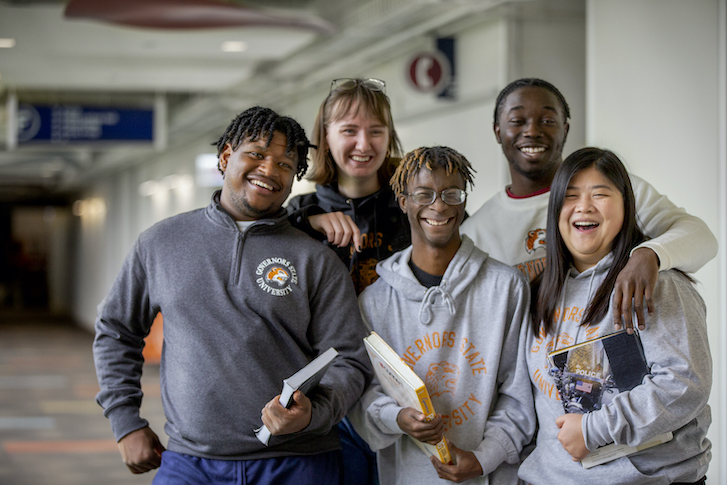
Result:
x=346 y=83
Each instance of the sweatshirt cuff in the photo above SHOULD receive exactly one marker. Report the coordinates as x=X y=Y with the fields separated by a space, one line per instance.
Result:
x=124 y=420
x=591 y=434
x=664 y=263
x=388 y=418
x=491 y=454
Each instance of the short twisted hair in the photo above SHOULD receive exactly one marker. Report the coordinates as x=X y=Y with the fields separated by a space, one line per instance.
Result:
x=259 y=122
x=524 y=83
x=431 y=158
x=339 y=103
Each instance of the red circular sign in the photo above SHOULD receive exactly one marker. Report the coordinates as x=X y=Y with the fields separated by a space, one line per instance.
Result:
x=429 y=72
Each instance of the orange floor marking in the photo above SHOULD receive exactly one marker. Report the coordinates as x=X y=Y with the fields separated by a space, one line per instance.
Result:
x=67 y=446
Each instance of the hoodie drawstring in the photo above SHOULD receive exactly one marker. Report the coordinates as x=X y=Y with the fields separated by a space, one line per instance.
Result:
x=430 y=296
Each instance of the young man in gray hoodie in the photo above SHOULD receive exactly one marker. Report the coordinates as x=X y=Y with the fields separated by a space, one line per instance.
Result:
x=455 y=316
x=247 y=300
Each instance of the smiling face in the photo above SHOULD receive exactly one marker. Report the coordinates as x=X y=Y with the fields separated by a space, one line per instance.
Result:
x=435 y=225
x=257 y=180
x=358 y=143
x=532 y=130
x=591 y=218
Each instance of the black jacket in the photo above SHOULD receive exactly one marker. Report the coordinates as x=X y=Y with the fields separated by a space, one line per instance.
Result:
x=384 y=227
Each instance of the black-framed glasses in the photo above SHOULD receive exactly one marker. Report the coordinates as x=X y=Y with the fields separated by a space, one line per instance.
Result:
x=449 y=196
x=346 y=83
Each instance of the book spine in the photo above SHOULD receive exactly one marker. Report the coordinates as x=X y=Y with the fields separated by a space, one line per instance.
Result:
x=426 y=403
x=443 y=449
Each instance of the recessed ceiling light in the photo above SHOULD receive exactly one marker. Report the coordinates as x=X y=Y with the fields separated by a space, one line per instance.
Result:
x=234 y=46
x=6 y=43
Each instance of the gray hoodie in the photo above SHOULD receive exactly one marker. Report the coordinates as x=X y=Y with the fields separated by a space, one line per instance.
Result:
x=461 y=338
x=673 y=397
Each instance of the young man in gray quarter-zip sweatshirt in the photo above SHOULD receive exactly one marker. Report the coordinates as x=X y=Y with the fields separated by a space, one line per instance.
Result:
x=247 y=300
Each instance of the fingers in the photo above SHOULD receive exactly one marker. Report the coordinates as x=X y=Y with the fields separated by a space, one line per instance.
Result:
x=339 y=229
x=616 y=308
x=413 y=423
x=141 y=451
x=280 y=420
x=466 y=466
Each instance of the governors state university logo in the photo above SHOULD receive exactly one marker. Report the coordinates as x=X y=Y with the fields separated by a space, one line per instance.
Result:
x=276 y=275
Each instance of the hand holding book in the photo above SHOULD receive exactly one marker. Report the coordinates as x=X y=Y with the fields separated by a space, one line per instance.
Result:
x=280 y=420
x=571 y=435
x=415 y=424
x=464 y=465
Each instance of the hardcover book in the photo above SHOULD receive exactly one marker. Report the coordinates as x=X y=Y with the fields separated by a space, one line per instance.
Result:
x=405 y=387
x=588 y=375
x=304 y=380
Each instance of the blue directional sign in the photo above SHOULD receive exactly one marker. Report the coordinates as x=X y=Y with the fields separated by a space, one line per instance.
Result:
x=79 y=124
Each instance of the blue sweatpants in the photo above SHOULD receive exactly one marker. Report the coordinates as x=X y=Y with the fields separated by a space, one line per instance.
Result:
x=320 y=469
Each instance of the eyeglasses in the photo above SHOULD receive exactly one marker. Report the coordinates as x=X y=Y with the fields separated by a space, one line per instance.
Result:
x=347 y=83
x=449 y=196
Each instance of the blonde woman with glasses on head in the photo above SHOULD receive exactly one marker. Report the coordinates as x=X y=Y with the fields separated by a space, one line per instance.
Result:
x=353 y=208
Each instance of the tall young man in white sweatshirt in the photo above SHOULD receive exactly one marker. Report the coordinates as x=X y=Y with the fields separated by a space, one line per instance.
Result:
x=531 y=124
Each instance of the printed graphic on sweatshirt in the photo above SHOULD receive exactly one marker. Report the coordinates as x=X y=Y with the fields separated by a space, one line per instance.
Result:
x=443 y=378
x=547 y=343
x=275 y=276
x=364 y=274
x=535 y=240
x=531 y=269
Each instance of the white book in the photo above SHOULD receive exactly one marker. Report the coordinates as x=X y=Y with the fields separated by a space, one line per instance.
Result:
x=304 y=380
x=405 y=387
x=607 y=453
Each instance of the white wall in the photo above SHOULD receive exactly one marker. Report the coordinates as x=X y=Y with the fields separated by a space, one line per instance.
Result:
x=654 y=82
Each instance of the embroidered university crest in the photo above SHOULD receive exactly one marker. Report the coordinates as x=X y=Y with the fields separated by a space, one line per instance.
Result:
x=276 y=275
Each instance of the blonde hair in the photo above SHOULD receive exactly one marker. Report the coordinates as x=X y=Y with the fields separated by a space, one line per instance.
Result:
x=339 y=103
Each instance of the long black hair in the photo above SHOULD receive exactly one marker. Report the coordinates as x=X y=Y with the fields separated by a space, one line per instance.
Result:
x=557 y=257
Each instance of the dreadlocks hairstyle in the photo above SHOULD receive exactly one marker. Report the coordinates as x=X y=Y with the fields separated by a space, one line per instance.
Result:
x=430 y=158
x=524 y=83
x=340 y=103
x=557 y=257
x=259 y=122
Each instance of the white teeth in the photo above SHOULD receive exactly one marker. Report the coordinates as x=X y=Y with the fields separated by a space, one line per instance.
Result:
x=432 y=222
x=262 y=184
x=360 y=159
x=585 y=224
x=532 y=150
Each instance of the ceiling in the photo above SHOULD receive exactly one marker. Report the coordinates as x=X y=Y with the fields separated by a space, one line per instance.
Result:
x=63 y=56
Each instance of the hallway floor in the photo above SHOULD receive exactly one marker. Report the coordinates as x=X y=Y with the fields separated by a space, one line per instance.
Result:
x=51 y=429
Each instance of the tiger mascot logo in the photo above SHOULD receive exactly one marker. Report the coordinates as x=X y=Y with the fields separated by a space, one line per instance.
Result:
x=277 y=275
x=535 y=240
x=441 y=377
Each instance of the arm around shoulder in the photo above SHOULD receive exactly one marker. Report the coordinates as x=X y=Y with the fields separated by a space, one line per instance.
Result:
x=680 y=240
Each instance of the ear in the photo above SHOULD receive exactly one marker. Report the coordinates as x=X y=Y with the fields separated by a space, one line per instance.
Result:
x=496 y=129
x=402 y=203
x=566 y=128
x=225 y=157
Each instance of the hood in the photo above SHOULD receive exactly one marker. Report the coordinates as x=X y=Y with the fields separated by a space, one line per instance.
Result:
x=462 y=270
x=331 y=200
